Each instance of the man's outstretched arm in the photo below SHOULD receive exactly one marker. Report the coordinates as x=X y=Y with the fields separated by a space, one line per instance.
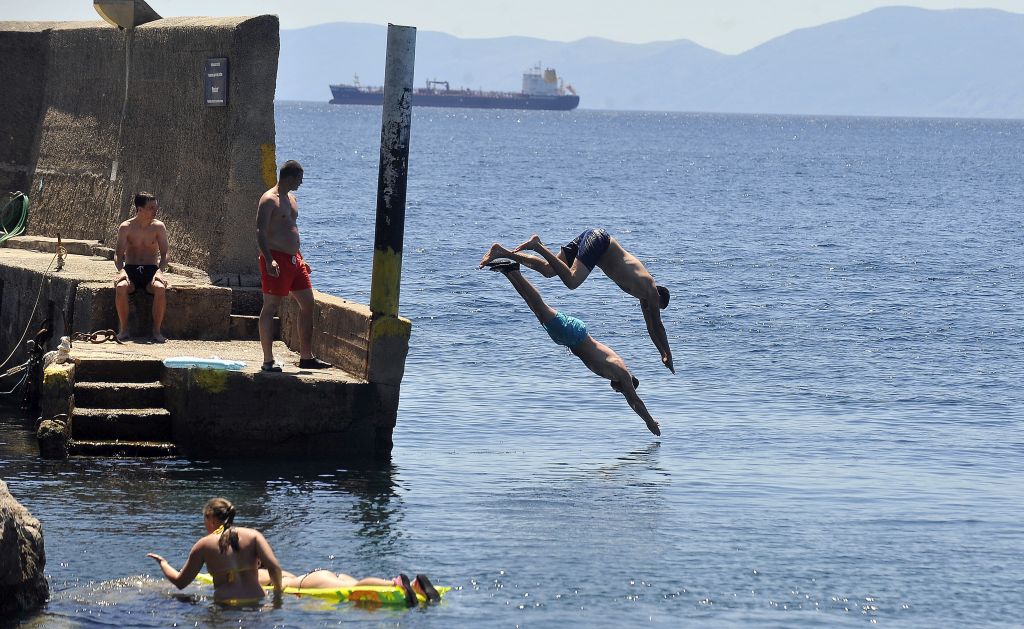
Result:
x=603 y=361
x=652 y=316
x=638 y=406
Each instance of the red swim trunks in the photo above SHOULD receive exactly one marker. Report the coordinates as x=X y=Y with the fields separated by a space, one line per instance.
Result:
x=293 y=276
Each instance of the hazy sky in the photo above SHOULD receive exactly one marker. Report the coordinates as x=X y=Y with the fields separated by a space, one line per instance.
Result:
x=729 y=26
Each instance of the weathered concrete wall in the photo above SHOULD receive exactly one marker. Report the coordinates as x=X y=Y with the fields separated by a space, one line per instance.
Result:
x=23 y=54
x=57 y=394
x=26 y=304
x=87 y=95
x=56 y=407
x=223 y=414
x=23 y=585
x=389 y=347
x=76 y=302
x=342 y=332
x=193 y=312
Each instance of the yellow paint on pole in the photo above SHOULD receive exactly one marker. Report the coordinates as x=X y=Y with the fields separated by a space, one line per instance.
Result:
x=386 y=281
x=390 y=327
x=268 y=164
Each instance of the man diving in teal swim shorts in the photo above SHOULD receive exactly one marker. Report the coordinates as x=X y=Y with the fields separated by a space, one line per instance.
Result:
x=575 y=261
x=572 y=333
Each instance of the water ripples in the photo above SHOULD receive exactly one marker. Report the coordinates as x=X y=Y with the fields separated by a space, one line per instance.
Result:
x=841 y=440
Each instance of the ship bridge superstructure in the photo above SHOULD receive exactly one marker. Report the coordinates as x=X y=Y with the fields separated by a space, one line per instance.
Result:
x=546 y=83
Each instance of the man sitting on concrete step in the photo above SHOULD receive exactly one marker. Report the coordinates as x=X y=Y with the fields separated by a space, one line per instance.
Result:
x=140 y=255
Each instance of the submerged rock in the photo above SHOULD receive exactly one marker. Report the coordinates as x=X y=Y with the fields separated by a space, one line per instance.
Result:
x=23 y=585
x=54 y=437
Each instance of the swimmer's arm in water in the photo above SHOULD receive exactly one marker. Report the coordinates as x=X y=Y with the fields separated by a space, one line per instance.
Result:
x=269 y=561
x=188 y=571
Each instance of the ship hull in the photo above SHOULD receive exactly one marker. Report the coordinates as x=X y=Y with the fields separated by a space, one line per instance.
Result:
x=343 y=96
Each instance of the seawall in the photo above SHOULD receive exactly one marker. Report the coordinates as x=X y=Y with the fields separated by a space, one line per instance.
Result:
x=94 y=114
x=346 y=413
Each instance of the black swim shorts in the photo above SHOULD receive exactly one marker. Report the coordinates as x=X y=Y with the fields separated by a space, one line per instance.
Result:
x=588 y=246
x=140 y=275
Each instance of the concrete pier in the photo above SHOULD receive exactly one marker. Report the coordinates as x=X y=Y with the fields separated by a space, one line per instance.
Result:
x=122 y=400
x=182 y=108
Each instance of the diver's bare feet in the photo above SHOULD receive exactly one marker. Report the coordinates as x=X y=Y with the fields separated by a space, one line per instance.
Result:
x=123 y=335
x=653 y=427
x=496 y=251
x=532 y=244
x=159 y=338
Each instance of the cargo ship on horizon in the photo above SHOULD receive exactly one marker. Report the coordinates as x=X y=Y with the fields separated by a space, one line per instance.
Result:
x=541 y=90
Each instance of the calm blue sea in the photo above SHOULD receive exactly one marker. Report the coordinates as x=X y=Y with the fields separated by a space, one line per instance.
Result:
x=842 y=442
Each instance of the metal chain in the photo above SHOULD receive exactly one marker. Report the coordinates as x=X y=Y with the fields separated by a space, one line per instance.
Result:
x=99 y=336
x=14 y=370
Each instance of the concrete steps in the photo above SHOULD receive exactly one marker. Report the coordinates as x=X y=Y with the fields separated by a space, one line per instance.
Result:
x=116 y=448
x=134 y=424
x=119 y=394
x=119 y=410
x=119 y=370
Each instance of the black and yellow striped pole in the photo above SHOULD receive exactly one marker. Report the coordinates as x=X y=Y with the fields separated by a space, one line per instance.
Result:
x=387 y=330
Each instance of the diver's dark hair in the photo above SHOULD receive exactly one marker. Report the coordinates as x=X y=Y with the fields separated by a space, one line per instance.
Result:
x=291 y=168
x=663 y=292
x=142 y=198
x=224 y=512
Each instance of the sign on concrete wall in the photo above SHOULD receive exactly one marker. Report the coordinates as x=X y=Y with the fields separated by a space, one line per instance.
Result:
x=216 y=86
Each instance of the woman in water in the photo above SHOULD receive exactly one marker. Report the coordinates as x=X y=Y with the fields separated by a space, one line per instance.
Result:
x=231 y=554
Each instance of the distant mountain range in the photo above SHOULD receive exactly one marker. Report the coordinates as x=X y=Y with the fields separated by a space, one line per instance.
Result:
x=895 y=61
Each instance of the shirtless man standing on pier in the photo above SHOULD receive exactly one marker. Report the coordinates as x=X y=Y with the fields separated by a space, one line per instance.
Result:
x=140 y=255
x=575 y=261
x=283 y=272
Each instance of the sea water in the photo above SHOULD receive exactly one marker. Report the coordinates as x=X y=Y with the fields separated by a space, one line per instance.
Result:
x=841 y=439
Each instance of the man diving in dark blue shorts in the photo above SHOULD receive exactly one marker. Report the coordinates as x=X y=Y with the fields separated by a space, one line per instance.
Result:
x=572 y=333
x=577 y=259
